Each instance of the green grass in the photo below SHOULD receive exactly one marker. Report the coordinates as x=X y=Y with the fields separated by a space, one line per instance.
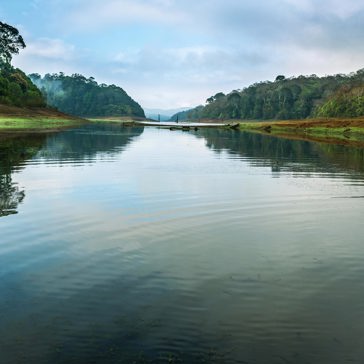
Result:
x=110 y=120
x=352 y=133
x=23 y=123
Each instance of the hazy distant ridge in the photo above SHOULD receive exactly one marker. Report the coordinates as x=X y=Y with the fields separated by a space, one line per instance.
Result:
x=163 y=114
x=81 y=96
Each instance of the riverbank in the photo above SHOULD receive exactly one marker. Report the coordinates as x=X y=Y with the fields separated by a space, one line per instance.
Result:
x=341 y=131
x=334 y=131
x=36 y=120
x=117 y=119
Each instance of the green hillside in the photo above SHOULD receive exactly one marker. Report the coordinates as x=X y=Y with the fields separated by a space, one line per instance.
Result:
x=348 y=101
x=287 y=98
x=16 y=89
x=81 y=96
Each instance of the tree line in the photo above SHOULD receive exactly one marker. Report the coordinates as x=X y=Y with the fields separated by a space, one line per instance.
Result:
x=16 y=89
x=75 y=95
x=81 y=96
x=287 y=98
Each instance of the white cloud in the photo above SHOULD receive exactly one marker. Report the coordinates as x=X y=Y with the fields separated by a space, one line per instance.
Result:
x=49 y=48
x=108 y=12
x=337 y=8
x=171 y=53
x=184 y=76
x=192 y=61
x=47 y=55
x=319 y=61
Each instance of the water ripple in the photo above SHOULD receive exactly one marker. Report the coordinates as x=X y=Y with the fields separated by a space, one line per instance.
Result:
x=143 y=250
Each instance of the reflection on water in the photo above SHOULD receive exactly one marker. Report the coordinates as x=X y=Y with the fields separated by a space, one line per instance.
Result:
x=10 y=196
x=153 y=246
x=14 y=151
x=86 y=143
x=286 y=155
x=75 y=145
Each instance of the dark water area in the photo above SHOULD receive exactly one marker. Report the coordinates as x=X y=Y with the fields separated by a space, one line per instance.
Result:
x=132 y=245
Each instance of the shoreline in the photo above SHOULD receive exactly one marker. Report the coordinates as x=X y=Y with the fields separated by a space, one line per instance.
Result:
x=36 y=125
x=343 y=131
x=16 y=120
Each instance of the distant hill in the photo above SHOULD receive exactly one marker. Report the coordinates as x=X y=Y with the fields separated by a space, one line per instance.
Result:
x=16 y=89
x=187 y=114
x=287 y=98
x=81 y=96
x=162 y=114
x=160 y=117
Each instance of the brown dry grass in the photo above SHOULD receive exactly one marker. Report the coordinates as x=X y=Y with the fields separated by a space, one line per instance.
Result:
x=38 y=112
x=321 y=122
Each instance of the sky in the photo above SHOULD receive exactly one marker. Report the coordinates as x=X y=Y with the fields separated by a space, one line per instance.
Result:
x=176 y=53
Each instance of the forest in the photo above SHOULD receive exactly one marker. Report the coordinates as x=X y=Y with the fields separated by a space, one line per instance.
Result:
x=16 y=89
x=287 y=98
x=81 y=96
x=75 y=95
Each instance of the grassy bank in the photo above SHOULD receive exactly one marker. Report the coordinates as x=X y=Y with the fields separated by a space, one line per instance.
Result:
x=15 y=119
x=331 y=130
x=44 y=124
x=338 y=131
x=117 y=119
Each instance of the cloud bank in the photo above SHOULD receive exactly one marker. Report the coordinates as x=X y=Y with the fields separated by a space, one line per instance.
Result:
x=169 y=53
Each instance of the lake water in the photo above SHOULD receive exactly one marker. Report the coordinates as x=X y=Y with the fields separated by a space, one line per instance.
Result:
x=132 y=245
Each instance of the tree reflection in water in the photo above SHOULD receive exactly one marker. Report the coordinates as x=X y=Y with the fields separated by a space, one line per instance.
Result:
x=10 y=196
x=284 y=155
x=14 y=151
x=77 y=144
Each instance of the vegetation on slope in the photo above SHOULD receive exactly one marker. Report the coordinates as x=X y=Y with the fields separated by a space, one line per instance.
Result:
x=16 y=89
x=287 y=98
x=22 y=105
x=81 y=96
x=348 y=101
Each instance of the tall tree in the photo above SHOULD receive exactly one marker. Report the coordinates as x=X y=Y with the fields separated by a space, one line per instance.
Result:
x=10 y=42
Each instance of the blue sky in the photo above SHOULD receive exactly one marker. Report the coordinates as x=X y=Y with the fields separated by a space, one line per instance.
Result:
x=170 y=53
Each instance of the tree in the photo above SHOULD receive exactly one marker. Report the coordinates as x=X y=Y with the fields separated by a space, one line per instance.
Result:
x=219 y=96
x=10 y=42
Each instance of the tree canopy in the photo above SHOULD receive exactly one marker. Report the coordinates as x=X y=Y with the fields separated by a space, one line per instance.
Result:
x=16 y=89
x=288 y=98
x=81 y=96
x=10 y=42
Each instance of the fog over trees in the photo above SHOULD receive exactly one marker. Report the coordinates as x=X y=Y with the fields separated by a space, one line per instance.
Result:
x=81 y=96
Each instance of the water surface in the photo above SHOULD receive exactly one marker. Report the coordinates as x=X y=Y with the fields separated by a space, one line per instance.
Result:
x=132 y=245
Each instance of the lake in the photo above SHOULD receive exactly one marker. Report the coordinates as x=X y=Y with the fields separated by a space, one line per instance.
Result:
x=145 y=245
